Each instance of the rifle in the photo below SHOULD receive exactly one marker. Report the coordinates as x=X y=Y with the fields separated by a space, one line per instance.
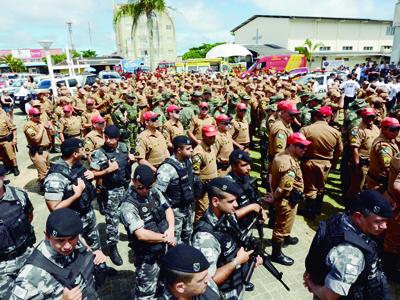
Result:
x=249 y=242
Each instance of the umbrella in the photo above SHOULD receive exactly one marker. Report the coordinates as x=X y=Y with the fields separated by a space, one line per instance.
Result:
x=227 y=50
x=90 y=69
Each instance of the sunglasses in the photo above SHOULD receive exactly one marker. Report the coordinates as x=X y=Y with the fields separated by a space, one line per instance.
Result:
x=242 y=110
x=204 y=108
x=293 y=114
x=154 y=119
x=100 y=123
x=370 y=117
x=394 y=129
x=301 y=146
x=36 y=115
x=177 y=111
x=89 y=104
x=224 y=123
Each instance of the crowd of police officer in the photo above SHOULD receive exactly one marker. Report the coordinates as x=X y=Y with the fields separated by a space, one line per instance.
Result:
x=189 y=138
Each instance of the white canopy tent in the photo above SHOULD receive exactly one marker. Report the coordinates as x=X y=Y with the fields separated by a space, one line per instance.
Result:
x=227 y=50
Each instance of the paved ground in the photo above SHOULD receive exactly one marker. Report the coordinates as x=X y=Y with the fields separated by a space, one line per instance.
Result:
x=120 y=287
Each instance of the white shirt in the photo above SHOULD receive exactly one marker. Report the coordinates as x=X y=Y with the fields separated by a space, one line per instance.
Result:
x=350 y=87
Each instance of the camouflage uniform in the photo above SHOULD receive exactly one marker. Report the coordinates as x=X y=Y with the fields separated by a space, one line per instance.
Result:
x=34 y=283
x=9 y=268
x=147 y=268
x=166 y=295
x=167 y=174
x=132 y=123
x=55 y=185
x=211 y=248
x=114 y=196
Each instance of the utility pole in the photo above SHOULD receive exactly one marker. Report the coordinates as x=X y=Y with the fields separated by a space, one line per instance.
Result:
x=395 y=57
x=69 y=24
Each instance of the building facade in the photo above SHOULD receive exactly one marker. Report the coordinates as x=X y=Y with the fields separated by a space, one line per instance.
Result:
x=346 y=40
x=137 y=46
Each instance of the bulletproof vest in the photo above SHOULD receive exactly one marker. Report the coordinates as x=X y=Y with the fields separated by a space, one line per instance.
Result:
x=16 y=233
x=153 y=215
x=332 y=232
x=181 y=193
x=121 y=176
x=84 y=204
x=229 y=248
x=78 y=272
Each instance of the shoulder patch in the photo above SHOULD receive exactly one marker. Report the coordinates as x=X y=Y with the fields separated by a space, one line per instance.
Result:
x=291 y=173
x=281 y=135
x=288 y=184
x=279 y=146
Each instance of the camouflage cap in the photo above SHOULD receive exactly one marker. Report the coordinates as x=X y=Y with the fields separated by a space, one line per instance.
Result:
x=197 y=94
x=276 y=98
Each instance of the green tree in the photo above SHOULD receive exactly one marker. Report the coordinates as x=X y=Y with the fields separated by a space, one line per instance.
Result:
x=200 y=51
x=15 y=64
x=88 y=53
x=308 y=49
x=138 y=8
x=56 y=58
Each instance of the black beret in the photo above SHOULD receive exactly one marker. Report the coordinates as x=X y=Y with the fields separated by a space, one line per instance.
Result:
x=64 y=222
x=2 y=170
x=372 y=202
x=226 y=185
x=186 y=259
x=70 y=145
x=144 y=175
x=112 y=131
x=181 y=140
x=237 y=155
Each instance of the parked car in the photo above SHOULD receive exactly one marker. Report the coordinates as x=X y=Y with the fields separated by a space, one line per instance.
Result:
x=71 y=82
x=321 y=80
x=109 y=75
x=3 y=82
x=14 y=87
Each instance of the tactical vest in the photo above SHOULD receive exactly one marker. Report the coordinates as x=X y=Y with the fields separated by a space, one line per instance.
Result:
x=181 y=193
x=84 y=204
x=16 y=233
x=82 y=265
x=121 y=176
x=370 y=284
x=229 y=248
x=153 y=215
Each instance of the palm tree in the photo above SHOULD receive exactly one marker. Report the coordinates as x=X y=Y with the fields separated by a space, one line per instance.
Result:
x=308 y=50
x=138 y=8
x=15 y=64
x=88 y=53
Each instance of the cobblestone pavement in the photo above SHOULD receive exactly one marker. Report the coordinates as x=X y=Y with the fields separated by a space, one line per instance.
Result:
x=120 y=287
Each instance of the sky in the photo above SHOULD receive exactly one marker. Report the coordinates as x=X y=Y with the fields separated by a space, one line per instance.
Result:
x=24 y=22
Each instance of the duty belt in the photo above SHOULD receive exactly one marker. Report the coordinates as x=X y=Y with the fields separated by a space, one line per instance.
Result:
x=6 y=138
x=67 y=136
x=377 y=178
x=316 y=158
x=222 y=165
x=13 y=254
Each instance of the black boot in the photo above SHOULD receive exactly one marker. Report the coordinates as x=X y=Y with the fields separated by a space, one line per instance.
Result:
x=8 y=169
x=308 y=211
x=318 y=204
x=114 y=255
x=277 y=255
x=16 y=171
x=289 y=240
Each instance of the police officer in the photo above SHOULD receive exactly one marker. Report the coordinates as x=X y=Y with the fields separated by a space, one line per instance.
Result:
x=384 y=147
x=68 y=184
x=185 y=273
x=175 y=179
x=69 y=126
x=205 y=166
x=38 y=143
x=198 y=122
x=95 y=138
x=322 y=155
x=361 y=140
x=149 y=222
x=173 y=127
x=223 y=144
x=60 y=267
x=240 y=128
x=287 y=192
x=111 y=163
x=151 y=147
x=343 y=257
x=219 y=245
x=8 y=142
x=17 y=235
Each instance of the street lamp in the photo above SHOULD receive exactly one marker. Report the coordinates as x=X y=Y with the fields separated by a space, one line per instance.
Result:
x=46 y=44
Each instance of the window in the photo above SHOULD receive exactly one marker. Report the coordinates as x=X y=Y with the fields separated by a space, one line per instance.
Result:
x=169 y=27
x=72 y=82
x=390 y=30
x=325 y=48
x=347 y=48
x=368 y=48
x=386 y=47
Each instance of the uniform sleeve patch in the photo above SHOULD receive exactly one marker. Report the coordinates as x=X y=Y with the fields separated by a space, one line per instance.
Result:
x=279 y=146
x=281 y=135
x=385 y=150
x=291 y=174
x=20 y=292
x=288 y=184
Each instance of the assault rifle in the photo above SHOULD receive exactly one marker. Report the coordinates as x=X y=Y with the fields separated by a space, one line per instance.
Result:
x=228 y=223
